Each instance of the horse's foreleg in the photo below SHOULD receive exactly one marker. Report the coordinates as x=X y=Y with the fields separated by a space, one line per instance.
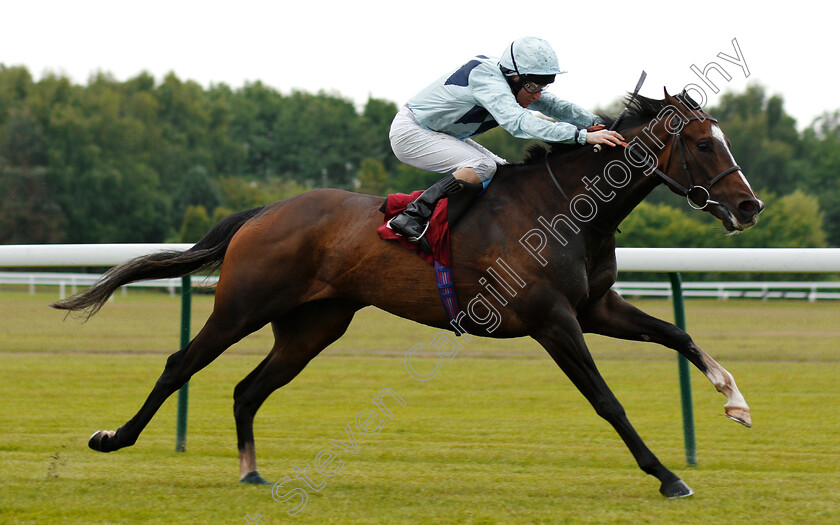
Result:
x=299 y=336
x=213 y=339
x=564 y=342
x=614 y=317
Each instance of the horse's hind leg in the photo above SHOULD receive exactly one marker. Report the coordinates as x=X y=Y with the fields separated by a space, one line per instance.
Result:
x=614 y=317
x=299 y=336
x=217 y=335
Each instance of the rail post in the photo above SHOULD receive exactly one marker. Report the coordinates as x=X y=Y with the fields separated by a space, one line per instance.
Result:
x=685 y=378
x=184 y=392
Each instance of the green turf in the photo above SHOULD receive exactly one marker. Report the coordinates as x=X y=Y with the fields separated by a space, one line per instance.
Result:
x=499 y=435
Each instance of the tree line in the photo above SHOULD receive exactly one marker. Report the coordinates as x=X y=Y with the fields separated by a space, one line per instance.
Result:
x=160 y=161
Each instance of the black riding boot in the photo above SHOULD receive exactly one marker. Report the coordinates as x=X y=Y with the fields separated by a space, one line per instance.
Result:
x=414 y=220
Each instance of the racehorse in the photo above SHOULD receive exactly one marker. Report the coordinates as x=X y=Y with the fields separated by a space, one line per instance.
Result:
x=308 y=263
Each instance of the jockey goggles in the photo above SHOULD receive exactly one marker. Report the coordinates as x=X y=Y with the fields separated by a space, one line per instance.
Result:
x=533 y=87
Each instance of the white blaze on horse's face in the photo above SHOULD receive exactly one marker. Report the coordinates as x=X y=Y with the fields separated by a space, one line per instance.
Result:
x=721 y=145
x=720 y=138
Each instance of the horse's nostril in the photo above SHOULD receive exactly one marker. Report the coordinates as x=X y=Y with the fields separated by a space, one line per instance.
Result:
x=751 y=207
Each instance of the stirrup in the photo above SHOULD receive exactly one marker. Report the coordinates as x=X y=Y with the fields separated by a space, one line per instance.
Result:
x=410 y=239
x=422 y=234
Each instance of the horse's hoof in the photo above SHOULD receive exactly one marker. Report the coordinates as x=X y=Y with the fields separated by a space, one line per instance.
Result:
x=99 y=440
x=254 y=478
x=676 y=489
x=739 y=414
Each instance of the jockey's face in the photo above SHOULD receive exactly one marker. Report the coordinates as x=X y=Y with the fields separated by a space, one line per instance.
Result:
x=525 y=97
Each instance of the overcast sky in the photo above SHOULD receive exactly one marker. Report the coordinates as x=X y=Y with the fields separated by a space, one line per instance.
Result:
x=391 y=49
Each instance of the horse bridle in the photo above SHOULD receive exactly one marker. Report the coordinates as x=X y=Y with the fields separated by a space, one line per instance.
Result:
x=677 y=142
x=686 y=192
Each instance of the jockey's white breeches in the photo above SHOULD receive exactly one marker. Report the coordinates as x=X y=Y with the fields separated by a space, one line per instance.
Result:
x=433 y=151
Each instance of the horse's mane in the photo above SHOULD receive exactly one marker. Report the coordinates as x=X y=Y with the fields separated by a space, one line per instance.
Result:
x=640 y=111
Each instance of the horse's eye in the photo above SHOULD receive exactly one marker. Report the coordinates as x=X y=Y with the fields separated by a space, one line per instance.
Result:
x=704 y=145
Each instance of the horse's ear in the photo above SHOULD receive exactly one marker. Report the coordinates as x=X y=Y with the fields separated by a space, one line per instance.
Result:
x=665 y=90
x=685 y=99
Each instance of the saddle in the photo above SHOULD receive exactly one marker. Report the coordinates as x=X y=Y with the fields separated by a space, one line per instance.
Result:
x=447 y=213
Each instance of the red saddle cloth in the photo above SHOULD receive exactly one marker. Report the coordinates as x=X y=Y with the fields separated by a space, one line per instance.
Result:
x=437 y=234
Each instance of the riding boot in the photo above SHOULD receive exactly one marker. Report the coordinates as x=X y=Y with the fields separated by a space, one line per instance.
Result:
x=413 y=222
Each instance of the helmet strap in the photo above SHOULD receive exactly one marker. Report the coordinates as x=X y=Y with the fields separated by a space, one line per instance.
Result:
x=515 y=85
x=513 y=59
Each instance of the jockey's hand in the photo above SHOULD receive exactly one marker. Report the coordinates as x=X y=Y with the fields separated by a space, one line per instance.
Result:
x=604 y=136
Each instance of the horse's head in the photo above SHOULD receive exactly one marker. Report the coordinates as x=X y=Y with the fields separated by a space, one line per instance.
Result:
x=695 y=160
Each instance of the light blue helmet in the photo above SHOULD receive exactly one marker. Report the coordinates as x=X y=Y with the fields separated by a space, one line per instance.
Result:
x=530 y=56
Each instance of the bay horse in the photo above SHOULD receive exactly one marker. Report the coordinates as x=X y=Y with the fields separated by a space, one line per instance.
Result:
x=308 y=263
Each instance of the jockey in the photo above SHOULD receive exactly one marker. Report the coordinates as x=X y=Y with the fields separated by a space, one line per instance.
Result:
x=434 y=130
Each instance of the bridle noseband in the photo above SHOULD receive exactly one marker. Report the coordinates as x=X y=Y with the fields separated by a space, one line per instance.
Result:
x=686 y=192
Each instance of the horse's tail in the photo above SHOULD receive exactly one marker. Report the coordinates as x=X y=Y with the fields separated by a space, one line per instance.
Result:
x=206 y=255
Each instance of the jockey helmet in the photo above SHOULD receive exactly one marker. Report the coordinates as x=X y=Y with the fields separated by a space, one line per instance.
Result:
x=530 y=57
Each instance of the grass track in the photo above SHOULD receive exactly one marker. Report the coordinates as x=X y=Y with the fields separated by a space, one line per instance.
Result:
x=498 y=436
